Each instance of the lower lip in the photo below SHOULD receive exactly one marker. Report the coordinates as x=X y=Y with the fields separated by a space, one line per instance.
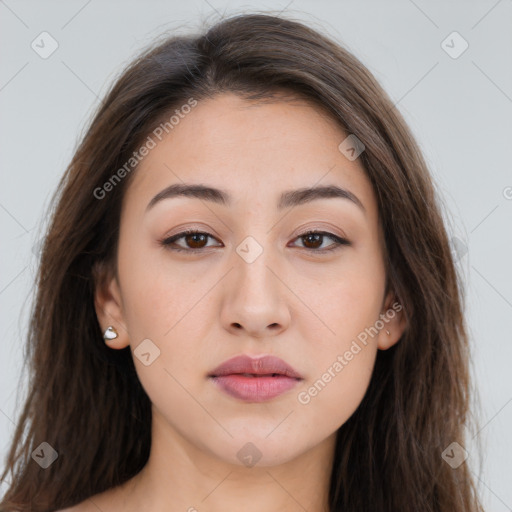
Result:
x=254 y=389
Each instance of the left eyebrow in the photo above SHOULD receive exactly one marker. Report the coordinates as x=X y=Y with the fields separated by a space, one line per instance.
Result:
x=287 y=199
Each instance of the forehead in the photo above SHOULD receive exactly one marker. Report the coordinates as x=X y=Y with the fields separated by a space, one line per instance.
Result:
x=253 y=149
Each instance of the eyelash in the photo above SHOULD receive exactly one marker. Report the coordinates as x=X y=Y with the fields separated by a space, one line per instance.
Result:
x=339 y=242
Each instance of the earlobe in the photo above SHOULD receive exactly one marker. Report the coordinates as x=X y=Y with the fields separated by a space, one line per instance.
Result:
x=394 y=321
x=386 y=340
x=109 y=311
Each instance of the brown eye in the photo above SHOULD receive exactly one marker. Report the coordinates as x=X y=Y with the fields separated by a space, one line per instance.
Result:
x=196 y=240
x=313 y=241
x=190 y=241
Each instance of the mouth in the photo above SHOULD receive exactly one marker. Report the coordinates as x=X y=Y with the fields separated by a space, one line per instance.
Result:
x=255 y=379
x=257 y=374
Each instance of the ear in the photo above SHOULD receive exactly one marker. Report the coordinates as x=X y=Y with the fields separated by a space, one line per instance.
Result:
x=394 y=320
x=108 y=305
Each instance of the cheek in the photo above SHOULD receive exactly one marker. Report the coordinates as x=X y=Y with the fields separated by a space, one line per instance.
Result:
x=164 y=306
x=155 y=297
x=340 y=372
x=343 y=304
x=344 y=355
x=338 y=390
x=165 y=312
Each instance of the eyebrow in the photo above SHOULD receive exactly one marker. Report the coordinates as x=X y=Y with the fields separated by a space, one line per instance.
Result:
x=287 y=199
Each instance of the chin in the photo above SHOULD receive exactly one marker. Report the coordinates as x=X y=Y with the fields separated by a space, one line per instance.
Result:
x=257 y=448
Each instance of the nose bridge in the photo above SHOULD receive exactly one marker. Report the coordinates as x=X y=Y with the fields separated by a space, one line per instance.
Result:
x=252 y=260
x=255 y=298
x=256 y=250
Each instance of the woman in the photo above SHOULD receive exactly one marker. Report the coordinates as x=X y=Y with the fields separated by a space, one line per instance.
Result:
x=246 y=286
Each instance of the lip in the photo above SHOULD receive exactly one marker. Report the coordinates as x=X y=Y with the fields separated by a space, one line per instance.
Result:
x=255 y=379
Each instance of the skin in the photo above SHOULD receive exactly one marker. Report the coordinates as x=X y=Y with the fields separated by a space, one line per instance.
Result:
x=201 y=309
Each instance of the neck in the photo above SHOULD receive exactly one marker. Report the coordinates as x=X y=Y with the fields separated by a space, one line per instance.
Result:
x=182 y=477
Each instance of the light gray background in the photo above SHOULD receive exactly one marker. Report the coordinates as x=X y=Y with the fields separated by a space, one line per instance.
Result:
x=459 y=109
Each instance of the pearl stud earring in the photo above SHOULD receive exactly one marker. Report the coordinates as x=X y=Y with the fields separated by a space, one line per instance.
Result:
x=110 y=333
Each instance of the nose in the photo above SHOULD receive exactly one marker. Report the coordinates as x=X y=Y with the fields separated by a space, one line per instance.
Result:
x=255 y=299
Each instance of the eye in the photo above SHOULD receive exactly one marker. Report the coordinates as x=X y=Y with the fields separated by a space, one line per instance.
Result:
x=313 y=241
x=194 y=240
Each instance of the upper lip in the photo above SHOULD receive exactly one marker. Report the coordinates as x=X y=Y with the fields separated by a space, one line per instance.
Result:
x=254 y=365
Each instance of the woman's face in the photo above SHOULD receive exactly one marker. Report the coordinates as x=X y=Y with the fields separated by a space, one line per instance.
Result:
x=250 y=283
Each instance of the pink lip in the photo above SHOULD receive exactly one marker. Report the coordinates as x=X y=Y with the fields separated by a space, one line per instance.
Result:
x=269 y=377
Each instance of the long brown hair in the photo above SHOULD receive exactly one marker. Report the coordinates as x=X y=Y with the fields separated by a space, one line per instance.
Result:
x=85 y=400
